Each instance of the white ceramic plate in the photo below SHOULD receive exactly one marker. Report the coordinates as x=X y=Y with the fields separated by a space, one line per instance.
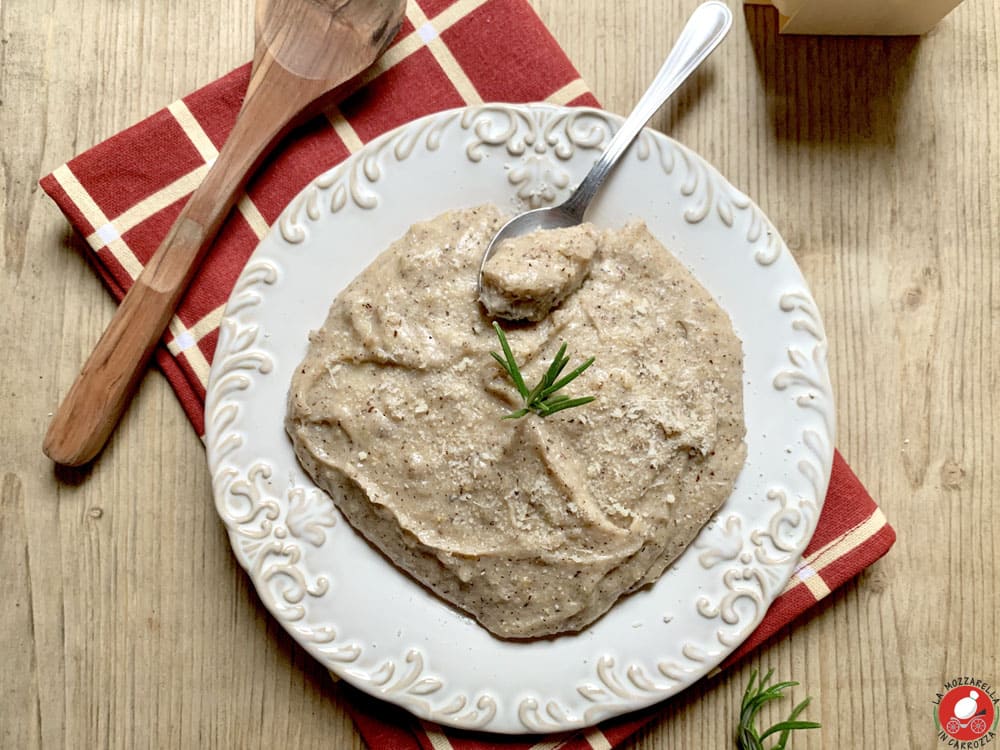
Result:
x=370 y=623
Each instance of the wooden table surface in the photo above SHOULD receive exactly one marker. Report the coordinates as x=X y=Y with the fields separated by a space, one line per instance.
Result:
x=126 y=622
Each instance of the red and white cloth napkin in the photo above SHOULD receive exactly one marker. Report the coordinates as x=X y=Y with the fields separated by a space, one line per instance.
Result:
x=123 y=195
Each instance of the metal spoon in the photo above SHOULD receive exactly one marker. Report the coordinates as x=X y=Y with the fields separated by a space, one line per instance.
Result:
x=304 y=50
x=707 y=26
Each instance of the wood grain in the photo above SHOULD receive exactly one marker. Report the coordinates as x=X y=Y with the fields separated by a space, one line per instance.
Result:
x=126 y=623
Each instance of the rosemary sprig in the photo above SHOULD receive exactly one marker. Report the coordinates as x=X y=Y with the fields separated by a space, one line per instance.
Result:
x=542 y=399
x=754 y=699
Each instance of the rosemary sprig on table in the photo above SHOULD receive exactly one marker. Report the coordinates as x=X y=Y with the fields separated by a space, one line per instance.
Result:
x=542 y=399
x=754 y=699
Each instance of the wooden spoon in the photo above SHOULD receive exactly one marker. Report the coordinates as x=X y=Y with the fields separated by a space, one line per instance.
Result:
x=304 y=50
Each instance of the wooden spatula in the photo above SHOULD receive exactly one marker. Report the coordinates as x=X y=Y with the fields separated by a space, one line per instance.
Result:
x=304 y=50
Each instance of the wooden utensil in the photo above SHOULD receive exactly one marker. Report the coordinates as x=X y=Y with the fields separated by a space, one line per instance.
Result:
x=304 y=50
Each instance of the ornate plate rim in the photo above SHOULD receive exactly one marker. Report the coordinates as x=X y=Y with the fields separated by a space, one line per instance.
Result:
x=269 y=534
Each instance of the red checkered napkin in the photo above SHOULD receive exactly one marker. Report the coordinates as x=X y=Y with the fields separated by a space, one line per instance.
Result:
x=124 y=194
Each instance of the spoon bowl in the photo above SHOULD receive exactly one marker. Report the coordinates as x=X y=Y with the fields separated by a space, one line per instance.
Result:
x=549 y=217
x=300 y=34
x=705 y=29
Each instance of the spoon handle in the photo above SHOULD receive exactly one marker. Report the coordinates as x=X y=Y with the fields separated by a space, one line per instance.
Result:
x=706 y=27
x=95 y=402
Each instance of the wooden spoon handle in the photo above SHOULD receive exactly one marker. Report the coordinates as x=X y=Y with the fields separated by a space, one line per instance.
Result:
x=102 y=390
x=97 y=398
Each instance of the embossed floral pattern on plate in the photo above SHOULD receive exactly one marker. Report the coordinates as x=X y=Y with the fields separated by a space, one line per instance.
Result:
x=371 y=624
